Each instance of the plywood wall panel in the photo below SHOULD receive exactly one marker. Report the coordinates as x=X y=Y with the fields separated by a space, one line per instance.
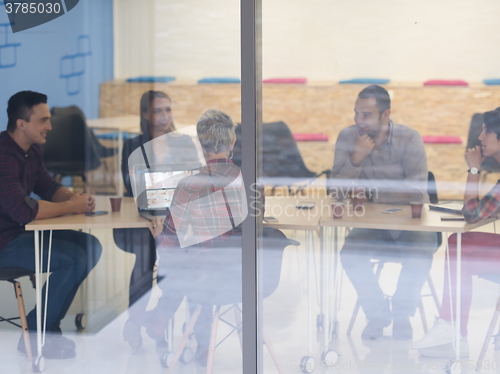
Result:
x=327 y=108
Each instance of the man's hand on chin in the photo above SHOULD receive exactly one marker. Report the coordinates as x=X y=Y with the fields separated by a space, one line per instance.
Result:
x=362 y=148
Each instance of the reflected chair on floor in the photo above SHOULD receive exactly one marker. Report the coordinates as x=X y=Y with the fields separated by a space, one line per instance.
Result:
x=229 y=292
x=11 y=275
x=494 y=320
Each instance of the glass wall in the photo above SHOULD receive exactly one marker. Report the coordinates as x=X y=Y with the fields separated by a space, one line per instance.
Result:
x=155 y=88
x=190 y=52
x=367 y=111
x=308 y=231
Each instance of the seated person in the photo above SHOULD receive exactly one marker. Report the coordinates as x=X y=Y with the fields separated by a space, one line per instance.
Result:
x=200 y=240
x=74 y=253
x=480 y=251
x=390 y=159
x=156 y=120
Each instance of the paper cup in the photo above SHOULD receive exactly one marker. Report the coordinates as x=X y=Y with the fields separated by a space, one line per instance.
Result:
x=338 y=209
x=416 y=209
x=116 y=203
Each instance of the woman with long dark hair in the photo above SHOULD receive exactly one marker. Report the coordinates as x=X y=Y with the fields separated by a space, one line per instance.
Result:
x=156 y=122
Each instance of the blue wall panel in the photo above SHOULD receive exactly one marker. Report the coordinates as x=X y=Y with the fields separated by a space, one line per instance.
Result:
x=66 y=58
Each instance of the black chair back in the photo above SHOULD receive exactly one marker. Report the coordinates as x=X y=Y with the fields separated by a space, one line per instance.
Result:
x=67 y=111
x=432 y=188
x=280 y=154
x=433 y=198
x=67 y=151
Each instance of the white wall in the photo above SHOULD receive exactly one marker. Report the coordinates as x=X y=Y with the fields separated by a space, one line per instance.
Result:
x=404 y=40
x=134 y=35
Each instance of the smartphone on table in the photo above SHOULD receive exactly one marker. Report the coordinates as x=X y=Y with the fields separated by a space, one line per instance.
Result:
x=97 y=213
x=270 y=219
x=306 y=205
x=393 y=210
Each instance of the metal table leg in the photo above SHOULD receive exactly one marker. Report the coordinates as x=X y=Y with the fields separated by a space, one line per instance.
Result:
x=459 y=296
x=39 y=363
x=308 y=362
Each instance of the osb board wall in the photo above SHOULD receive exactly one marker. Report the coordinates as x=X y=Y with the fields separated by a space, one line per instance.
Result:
x=327 y=108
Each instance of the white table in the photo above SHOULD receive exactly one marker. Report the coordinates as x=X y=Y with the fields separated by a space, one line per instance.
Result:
x=373 y=218
x=128 y=217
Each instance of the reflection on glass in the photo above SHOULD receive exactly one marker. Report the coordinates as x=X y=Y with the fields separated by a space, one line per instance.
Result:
x=373 y=234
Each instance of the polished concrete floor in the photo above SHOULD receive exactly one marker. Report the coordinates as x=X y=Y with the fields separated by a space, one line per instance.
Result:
x=102 y=350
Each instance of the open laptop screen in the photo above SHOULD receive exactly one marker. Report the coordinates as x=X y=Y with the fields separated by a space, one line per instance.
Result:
x=155 y=185
x=160 y=187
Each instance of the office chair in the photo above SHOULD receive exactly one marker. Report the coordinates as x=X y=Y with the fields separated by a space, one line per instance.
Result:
x=490 y=164
x=229 y=292
x=379 y=264
x=67 y=151
x=282 y=162
x=67 y=111
x=90 y=136
x=11 y=275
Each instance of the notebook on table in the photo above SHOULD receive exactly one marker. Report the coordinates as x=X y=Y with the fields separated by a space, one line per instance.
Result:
x=154 y=186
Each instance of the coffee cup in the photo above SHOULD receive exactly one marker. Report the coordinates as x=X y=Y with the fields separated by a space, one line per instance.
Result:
x=416 y=209
x=116 y=203
x=338 y=209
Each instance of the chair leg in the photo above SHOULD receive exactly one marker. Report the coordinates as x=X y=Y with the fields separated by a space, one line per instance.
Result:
x=184 y=339
x=24 y=321
x=433 y=292
x=489 y=334
x=267 y=342
x=422 y=314
x=213 y=340
x=237 y=317
x=353 y=317
x=272 y=352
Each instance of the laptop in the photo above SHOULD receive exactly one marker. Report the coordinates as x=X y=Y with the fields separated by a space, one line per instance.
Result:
x=453 y=207
x=154 y=186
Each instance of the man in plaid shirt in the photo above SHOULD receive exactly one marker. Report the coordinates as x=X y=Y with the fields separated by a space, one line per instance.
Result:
x=23 y=172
